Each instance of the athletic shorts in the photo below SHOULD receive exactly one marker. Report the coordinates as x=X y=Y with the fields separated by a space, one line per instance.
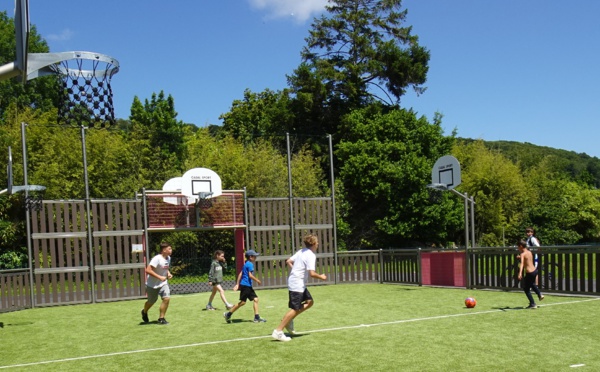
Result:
x=247 y=293
x=298 y=298
x=153 y=293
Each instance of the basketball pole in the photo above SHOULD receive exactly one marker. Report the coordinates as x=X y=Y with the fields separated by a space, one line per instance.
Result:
x=334 y=219
x=88 y=208
x=27 y=216
x=291 y=195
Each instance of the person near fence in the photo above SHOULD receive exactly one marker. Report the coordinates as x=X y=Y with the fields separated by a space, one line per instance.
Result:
x=215 y=278
x=528 y=280
x=244 y=284
x=157 y=284
x=302 y=265
x=533 y=244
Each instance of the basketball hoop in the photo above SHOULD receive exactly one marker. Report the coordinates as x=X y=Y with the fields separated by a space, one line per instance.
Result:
x=438 y=186
x=87 y=95
x=86 y=91
x=35 y=199
x=204 y=200
x=34 y=196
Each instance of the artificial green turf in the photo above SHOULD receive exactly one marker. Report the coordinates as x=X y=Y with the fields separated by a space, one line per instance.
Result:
x=352 y=327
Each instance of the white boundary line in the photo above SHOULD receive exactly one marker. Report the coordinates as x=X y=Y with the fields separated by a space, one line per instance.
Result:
x=269 y=336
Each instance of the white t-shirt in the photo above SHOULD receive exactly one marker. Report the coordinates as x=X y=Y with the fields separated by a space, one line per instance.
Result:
x=304 y=260
x=160 y=265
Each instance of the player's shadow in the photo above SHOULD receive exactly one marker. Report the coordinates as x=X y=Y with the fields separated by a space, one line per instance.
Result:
x=509 y=308
x=2 y=324
x=232 y=321
x=149 y=323
x=298 y=335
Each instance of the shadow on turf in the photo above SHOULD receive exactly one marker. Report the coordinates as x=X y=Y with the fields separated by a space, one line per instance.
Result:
x=241 y=321
x=2 y=324
x=150 y=323
x=507 y=308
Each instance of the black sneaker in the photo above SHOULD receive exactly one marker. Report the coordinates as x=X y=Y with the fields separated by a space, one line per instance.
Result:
x=227 y=316
x=162 y=321
x=145 y=317
x=532 y=306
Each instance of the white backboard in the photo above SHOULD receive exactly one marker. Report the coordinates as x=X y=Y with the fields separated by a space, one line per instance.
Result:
x=446 y=170
x=199 y=183
x=174 y=184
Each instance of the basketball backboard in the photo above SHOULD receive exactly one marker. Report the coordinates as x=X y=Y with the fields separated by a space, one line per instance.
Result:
x=22 y=28
x=174 y=184
x=11 y=188
x=446 y=171
x=201 y=183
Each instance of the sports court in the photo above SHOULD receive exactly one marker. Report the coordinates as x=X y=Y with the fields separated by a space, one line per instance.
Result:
x=351 y=327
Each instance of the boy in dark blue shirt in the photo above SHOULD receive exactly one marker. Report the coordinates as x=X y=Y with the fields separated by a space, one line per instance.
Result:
x=244 y=284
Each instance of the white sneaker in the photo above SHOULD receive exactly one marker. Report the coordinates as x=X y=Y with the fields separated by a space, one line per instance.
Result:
x=290 y=327
x=280 y=336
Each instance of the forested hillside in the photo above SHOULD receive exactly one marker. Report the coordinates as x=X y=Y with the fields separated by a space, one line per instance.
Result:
x=578 y=166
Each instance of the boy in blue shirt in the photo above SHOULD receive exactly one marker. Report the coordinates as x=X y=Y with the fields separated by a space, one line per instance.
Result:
x=244 y=284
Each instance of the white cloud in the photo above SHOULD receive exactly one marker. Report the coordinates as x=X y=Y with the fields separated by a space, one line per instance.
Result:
x=299 y=10
x=65 y=35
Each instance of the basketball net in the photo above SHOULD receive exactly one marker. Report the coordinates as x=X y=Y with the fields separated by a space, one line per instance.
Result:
x=87 y=97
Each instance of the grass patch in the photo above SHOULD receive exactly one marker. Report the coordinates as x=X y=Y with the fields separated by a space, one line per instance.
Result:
x=352 y=327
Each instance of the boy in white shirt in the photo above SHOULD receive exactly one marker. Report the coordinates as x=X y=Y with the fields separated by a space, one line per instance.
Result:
x=303 y=266
x=156 y=283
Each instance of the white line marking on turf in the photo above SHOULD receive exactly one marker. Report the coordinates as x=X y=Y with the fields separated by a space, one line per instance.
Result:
x=577 y=365
x=269 y=336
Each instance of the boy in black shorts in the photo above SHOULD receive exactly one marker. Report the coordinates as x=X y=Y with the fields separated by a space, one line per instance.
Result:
x=244 y=284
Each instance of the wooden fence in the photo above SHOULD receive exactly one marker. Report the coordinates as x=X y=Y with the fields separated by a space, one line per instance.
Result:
x=68 y=267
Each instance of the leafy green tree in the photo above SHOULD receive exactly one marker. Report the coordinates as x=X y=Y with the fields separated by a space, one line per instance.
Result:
x=356 y=54
x=500 y=191
x=258 y=166
x=564 y=211
x=263 y=114
x=157 y=137
x=362 y=52
x=385 y=163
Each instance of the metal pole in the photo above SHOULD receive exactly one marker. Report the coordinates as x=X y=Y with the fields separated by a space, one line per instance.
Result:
x=380 y=266
x=88 y=209
x=335 y=257
x=246 y=221
x=146 y=238
x=289 y=161
x=467 y=271
x=27 y=216
x=472 y=222
x=466 y=221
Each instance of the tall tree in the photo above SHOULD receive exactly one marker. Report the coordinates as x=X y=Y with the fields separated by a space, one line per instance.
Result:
x=358 y=53
x=158 y=137
x=362 y=52
x=385 y=163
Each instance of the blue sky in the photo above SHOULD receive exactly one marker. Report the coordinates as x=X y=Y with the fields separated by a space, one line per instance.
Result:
x=518 y=70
